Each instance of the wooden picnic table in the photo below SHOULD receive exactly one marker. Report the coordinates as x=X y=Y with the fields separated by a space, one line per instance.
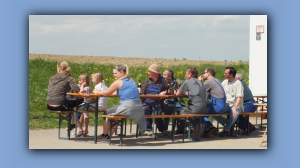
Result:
x=93 y=95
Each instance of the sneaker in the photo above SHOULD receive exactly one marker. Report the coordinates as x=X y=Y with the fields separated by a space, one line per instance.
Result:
x=165 y=133
x=252 y=128
x=211 y=132
x=223 y=133
x=102 y=136
x=148 y=133
x=105 y=138
x=232 y=130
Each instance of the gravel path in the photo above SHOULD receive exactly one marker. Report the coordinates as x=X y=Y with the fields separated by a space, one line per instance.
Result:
x=47 y=139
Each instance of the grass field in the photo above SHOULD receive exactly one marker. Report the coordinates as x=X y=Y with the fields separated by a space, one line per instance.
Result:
x=41 y=70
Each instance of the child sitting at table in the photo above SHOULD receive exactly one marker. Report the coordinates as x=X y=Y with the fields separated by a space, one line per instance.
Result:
x=97 y=79
x=85 y=87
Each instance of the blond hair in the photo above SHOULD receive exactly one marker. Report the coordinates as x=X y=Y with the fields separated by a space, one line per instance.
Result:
x=64 y=67
x=99 y=77
x=123 y=68
x=85 y=77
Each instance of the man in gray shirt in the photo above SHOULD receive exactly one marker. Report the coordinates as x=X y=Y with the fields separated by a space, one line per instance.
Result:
x=196 y=92
x=217 y=101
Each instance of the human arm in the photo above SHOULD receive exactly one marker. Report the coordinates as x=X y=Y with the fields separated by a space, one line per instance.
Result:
x=73 y=85
x=112 y=88
x=200 y=78
x=144 y=87
x=182 y=91
x=237 y=103
x=82 y=90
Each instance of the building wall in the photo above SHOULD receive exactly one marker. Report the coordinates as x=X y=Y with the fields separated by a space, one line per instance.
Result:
x=258 y=56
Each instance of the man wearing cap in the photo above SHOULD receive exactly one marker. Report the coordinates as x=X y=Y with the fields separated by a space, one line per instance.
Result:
x=155 y=84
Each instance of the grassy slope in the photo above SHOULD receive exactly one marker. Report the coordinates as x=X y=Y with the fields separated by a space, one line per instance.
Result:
x=40 y=71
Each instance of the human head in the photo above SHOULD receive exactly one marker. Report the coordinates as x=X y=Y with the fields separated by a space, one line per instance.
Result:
x=121 y=72
x=168 y=74
x=97 y=77
x=191 y=73
x=239 y=76
x=209 y=72
x=63 y=67
x=153 y=71
x=230 y=73
x=85 y=77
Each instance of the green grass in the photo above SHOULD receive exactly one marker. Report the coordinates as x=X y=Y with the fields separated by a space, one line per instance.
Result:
x=40 y=72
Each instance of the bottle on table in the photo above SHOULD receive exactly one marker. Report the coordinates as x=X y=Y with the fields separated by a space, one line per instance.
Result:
x=139 y=87
x=168 y=90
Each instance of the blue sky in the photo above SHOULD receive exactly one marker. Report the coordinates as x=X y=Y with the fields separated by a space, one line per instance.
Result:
x=195 y=37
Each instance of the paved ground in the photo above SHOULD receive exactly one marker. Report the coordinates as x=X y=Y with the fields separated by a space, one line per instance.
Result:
x=47 y=139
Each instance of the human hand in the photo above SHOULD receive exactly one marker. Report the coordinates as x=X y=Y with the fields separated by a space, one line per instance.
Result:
x=96 y=91
x=234 y=112
x=162 y=93
x=200 y=77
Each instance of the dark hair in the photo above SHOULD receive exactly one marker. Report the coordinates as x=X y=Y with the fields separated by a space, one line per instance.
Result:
x=193 y=71
x=232 y=71
x=170 y=73
x=211 y=71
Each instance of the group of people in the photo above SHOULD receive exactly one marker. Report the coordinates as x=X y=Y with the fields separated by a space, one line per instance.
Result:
x=231 y=96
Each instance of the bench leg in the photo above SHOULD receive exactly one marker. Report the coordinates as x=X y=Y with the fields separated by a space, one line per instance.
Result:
x=130 y=125
x=173 y=129
x=110 y=129
x=121 y=134
x=60 y=119
x=248 y=126
x=185 y=129
x=125 y=127
x=137 y=131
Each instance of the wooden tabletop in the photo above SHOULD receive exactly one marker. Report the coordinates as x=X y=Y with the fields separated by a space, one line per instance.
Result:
x=265 y=104
x=92 y=95
x=260 y=96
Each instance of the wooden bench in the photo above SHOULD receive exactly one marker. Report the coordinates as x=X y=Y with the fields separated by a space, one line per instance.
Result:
x=186 y=116
x=61 y=118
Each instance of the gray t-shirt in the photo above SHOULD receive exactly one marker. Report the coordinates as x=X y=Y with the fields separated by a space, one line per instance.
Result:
x=214 y=89
x=197 y=95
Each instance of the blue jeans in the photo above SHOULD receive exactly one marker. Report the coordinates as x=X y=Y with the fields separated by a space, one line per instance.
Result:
x=227 y=123
x=148 y=109
x=168 y=109
x=248 y=107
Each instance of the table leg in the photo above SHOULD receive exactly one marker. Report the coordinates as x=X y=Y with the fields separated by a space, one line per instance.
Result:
x=96 y=121
x=76 y=119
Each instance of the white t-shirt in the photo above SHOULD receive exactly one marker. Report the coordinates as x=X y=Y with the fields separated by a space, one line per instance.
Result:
x=102 y=101
x=233 y=90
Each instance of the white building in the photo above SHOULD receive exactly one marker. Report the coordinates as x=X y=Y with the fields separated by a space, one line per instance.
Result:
x=258 y=54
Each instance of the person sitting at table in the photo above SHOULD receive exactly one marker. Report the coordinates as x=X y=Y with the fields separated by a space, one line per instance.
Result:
x=168 y=74
x=59 y=85
x=234 y=91
x=97 y=79
x=130 y=103
x=196 y=92
x=217 y=101
x=248 y=106
x=155 y=84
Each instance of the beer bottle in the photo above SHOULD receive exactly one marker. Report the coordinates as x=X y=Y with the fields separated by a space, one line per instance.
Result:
x=139 y=87
x=168 y=90
x=175 y=89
